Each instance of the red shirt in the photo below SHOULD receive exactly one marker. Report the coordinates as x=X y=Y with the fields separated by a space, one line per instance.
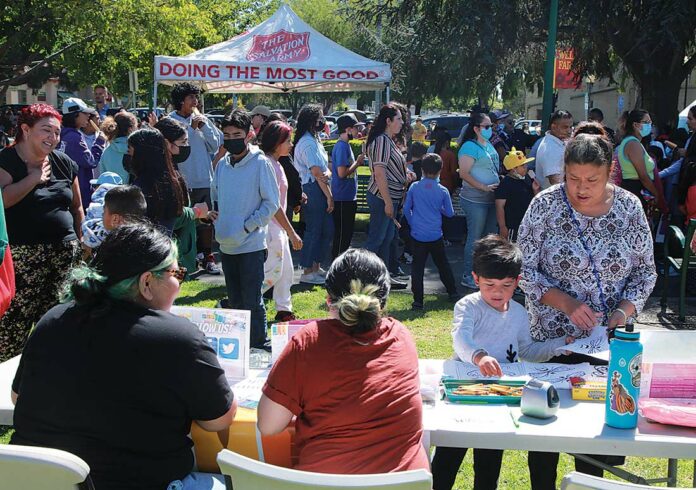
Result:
x=356 y=398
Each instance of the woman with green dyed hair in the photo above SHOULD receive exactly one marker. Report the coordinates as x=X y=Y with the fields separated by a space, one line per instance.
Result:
x=112 y=376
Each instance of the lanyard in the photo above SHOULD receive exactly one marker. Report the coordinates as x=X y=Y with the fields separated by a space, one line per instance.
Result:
x=587 y=249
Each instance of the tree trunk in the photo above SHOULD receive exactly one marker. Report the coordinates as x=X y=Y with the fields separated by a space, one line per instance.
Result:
x=419 y=105
x=660 y=95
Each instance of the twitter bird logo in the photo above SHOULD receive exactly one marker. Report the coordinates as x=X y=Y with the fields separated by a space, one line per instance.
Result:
x=228 y=348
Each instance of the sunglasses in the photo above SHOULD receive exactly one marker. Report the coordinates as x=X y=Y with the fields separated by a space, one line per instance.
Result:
x=486 y=126
x=179 y=273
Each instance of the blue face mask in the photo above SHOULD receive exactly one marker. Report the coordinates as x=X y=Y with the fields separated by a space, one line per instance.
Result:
x=645 y=129
x=487 y=133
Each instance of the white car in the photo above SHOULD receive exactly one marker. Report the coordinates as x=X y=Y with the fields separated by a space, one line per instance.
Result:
x=534 y=125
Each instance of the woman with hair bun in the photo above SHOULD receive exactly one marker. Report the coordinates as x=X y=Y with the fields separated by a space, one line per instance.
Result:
x=587 y=261
x=124 y=377
x=351 y=380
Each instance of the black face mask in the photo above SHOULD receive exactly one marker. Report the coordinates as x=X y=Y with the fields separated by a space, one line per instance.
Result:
x=127 y=162
x=184 y=153
x=235 y=146
x=320 y=126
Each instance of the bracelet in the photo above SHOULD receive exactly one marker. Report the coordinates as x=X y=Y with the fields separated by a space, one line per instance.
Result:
x=623 y=312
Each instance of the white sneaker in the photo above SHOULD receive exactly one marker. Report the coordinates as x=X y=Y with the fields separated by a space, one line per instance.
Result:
x=311 y=278
x=321 y=272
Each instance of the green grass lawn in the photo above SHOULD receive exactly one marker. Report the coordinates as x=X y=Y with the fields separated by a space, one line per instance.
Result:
x=431 y=331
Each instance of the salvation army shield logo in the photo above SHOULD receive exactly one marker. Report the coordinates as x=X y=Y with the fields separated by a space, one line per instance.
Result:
x=280 y=47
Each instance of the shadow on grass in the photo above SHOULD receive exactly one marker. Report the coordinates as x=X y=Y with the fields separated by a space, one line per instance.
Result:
x=211 y=294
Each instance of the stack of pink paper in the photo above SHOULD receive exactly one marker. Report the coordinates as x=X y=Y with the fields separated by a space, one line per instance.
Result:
x=673 y=381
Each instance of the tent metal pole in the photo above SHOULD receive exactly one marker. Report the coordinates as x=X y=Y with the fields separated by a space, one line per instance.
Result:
x=235 y=100
x=154 y=97
x=388 y=94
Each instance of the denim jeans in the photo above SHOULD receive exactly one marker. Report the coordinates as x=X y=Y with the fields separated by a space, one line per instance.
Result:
x=319 y=227
x=243 y=279
x=480 y=221
x=382 y=230
x=199 y=481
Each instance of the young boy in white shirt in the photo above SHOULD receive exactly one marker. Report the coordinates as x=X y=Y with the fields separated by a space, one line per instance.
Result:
x=490 y=328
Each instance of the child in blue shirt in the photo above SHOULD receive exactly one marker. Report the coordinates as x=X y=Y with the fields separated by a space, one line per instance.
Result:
x=426 y=202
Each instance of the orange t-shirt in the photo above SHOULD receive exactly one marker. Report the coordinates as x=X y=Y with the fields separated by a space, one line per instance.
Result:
x=356 y=398
x=690 y=204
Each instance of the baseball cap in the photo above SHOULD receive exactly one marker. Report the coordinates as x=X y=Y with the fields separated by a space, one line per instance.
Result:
x=514 y=159
x=261 y=110
x=107 y=178
x=346 y=121
x=73 y=104
x=497 y=115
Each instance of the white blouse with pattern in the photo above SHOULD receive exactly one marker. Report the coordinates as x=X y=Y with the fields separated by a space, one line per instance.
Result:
x=554 y=257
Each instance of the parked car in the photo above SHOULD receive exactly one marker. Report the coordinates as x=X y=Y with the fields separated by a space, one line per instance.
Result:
x=215 y=118
x=285 y=112
x=534 y=125
x=216 y=111
x=142 y=112
x=452 y=123
x=337 y=113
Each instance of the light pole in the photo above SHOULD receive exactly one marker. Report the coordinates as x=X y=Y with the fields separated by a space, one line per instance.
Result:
x=550 y=62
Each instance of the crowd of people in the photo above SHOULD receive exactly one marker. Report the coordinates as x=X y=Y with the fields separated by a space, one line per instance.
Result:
x=105 y=221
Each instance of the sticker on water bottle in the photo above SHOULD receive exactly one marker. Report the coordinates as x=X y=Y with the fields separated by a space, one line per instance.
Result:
x=634 y=369
x=620 y=401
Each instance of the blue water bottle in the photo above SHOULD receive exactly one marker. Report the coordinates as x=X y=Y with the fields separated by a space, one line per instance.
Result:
x=623 y=379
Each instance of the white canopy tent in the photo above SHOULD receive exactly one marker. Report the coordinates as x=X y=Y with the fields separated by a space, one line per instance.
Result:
x=683 y=114
x=282 y=54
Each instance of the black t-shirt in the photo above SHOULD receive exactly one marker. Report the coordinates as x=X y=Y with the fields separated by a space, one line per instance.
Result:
x=43 y=216
x=520 y=140
x=119 y=391
x=519 y=194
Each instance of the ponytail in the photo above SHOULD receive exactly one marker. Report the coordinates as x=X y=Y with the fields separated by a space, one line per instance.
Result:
x=361 y=309
x=84 y=285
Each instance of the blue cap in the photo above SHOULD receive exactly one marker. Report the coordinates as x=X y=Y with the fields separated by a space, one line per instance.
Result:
x=107 y=178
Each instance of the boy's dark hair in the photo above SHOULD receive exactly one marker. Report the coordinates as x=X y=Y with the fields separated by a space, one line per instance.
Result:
x=239 y=119
x=418 y=150
x=431 y=164
x=497 y=258
x=180 y=91
x=126 y=200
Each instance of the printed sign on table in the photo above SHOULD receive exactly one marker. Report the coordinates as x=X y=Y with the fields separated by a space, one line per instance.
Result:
x=281 y=333
x=227 y=332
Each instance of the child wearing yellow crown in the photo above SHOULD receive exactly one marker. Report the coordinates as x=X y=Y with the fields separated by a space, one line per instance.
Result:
x=515 y=192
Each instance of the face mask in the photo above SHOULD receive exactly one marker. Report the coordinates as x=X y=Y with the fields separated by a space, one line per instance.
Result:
x=350 y=136
x=645 y=129
x=235 y=146
x=487 y=133
x=319 y=127
x=127 y=159
x=184 y=153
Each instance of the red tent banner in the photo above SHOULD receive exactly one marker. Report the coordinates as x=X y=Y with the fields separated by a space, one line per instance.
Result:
x=564 y=77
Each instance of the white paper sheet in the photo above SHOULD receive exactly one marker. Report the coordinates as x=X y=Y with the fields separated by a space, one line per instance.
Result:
x=558 y=374
x=478 y=418
x=595 y=345
x=248 y=391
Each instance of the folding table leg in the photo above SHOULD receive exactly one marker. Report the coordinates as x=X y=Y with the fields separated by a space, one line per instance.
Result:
x=621 y=473
x=672 y=472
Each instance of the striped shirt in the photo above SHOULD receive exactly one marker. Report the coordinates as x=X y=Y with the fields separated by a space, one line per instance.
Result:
x=384 y=153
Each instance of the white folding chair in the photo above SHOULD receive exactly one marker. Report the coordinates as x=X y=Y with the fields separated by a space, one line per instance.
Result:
x=581 y=481
x=249 y=474
x=40 y=468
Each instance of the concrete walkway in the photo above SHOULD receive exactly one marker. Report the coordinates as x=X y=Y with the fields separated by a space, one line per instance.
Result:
x=653 y=316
